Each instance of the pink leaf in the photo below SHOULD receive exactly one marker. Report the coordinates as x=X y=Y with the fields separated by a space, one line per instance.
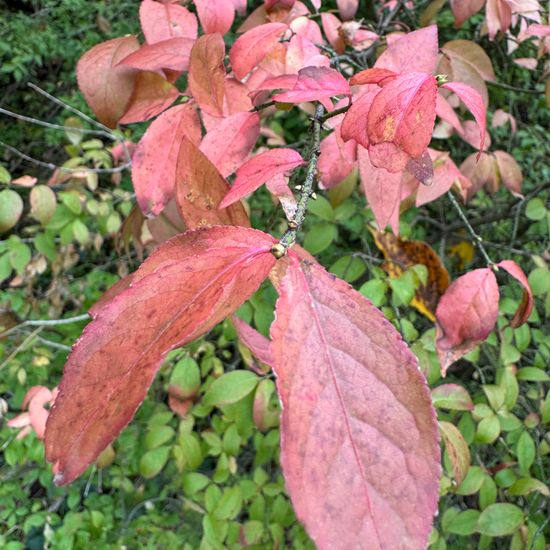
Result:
x=541 y=31
x=509 y=171
x=401 y=120
x=279 y=188
x=170 y=54
x=382 y=189
x=164 y=21
x=331 y=24
x=257 y=343
x=358 y=432
x=152 y=94
x=215 y=15
x=314 y=84
x=337 y=159
x=207 y=73
x=230 y=142
x=155 y=158
x=347 y=8
x=107 y=88
x=184 y=289
x=466 y=315
x=403 y=54
x=474 y=102
x=373 y=76
x=464 y=9
x=422 y=169
x=498 y=16
x=200 y=189
x=250 y=48
x=259 y=169
x=445 y=112
x=354 y=124
x=526 y=306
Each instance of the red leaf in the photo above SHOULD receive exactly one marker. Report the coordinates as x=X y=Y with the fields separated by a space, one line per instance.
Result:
x=200 y=189
x=526 y=306
x=313 y=84
x=107 y=88
x=207 y=73
x=215 y=15
x=155 y=158
x=259 y=169
x=172 y=54
x=372 y=76
x=358 y=432
x=152 y=94
x=193 y=282
x=257 y=343
x=403 y=54
x=250 y=48
x=464 y=9
x=230 y=142
x=466 y=315
x=382 y=189
x=474 y=102
x=401 y=120
x=164 y=21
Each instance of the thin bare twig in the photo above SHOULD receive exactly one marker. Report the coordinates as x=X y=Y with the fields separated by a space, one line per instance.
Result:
x=44 y=323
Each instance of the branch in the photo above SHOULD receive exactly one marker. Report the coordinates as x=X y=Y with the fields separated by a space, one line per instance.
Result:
x=306 y=189
x=44 y=323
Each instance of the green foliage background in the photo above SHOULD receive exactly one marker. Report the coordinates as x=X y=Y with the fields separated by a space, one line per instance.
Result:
x=212 y=480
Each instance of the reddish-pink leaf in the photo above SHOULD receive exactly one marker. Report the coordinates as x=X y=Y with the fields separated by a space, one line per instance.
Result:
x=250 y=48
x=155 y=158
x=193 y=282
x=372 y=76
x=152 y=94
x=106 y=87
x=466 y=315
x=498 y=16
x=358 y=430
x=259 y=169
x=207 y=73
x=509 y=171
x=164 y=21
x=354 y=125
x=422 y=169
x=382 y=189
x=302 y=52
x=464 y=9
x=200 y=189
x=331 y=24
x=474 y=102
x=230 y=142
x=257 y=343
x=337 y=159
x=347 y=8
x=480 y=171
x=445 y=112
x=314 y=84
x=403 y=54
x=215 y=15
x=541 y=31
x=172 y=54
x=526 y=306
x=457 y=450
x=278 y=187
x=110 y=294
x=401 y=120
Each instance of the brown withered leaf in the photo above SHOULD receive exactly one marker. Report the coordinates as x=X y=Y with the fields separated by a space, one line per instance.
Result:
x=401 y=254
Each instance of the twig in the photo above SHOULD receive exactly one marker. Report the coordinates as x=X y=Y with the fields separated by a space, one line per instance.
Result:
x=44 y=323
x=52 y=166
x=289 y=238
x=476 y=239
x=263 y=106
x=336 y=112
x=514 y=88
x=52 y=344
x=21 y=346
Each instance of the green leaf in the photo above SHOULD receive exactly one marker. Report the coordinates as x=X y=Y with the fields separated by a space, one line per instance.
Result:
x=499 y=520
x=535 y=209
x=464 y=523
x=320 y=237
x=375 y=291
x=45 y=244
x=527 y=485
x=194 y=482
x=472 y=482
x=532 y=374
x=5 y=267
x=71 y=201
x=43 y=203
x=349 y=268
x=19 y=254
x=321 y=208
x=80 y=232
x=488 y=430
x=158 y=436
x=11 y=208
x=525 y=451
x=186 y=377
x=230 y=503
x=230 y=388
x=5 y=176
x=152 y=462
x=539 y=280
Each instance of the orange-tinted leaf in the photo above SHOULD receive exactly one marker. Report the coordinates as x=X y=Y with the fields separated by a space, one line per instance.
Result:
x=215 y=15
x=151 y=96
x=160 y=21
x=400 y=255
x=466 y=315
x=229 y=143
x=373 y=76
x=403 y=54
x=457 y=450
x=464 y=9
x=107 y=87
x=358 y=430
x=471 y=54
x=526 y=306
x=155 y=158
x=200 y=189
x=401 y=120
x=259 y=169
x=474 y=102
x=207 y=73
x=509 y=171
x=172 y=54
x=250 y=48
x=480 y=171
x=193 y=282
